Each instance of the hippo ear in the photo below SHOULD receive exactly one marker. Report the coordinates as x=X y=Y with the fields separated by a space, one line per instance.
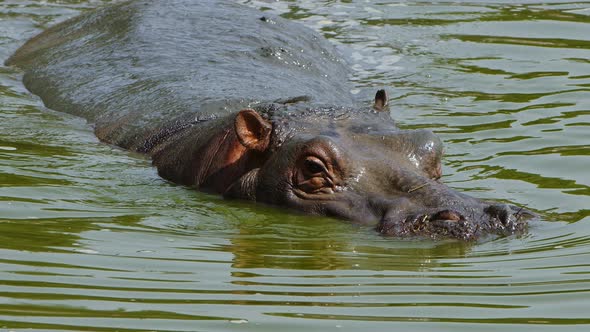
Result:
x=381 y=100
x=252 y=130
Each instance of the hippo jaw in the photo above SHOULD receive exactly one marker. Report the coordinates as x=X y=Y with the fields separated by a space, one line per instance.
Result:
x=385 y=177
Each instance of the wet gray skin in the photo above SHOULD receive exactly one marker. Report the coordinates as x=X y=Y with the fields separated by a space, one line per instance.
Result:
x=230 y=100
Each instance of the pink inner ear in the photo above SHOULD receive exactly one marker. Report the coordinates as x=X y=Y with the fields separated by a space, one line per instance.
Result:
x=252 y=130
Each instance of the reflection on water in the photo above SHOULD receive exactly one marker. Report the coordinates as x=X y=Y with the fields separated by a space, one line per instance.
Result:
x=92 y=239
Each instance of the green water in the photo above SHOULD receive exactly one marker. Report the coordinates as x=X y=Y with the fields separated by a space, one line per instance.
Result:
x=91 y=239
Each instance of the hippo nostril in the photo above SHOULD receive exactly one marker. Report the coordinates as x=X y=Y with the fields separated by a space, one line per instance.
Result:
x=502 y=212
x=506 y=219
x=447 y=215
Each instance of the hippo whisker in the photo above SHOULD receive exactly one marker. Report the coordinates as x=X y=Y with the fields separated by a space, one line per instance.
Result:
x=418 y=187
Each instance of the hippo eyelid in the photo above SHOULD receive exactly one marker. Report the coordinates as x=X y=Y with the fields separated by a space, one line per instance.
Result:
x=314 y=165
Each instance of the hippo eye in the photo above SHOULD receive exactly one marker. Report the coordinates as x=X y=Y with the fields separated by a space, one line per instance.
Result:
x=313 y=165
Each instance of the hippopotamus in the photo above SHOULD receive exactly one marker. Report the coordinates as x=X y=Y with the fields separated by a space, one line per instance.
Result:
x=227 y=99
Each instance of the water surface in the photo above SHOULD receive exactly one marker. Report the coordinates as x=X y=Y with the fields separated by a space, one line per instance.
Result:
x=91 y=239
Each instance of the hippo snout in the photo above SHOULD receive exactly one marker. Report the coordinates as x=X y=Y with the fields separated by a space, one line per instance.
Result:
x=468 y=224
x=507 y=219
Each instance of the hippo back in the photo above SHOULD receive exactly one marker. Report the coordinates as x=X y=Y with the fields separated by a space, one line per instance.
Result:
x=139 y=66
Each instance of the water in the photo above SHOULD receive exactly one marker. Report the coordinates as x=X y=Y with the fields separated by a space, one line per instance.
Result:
x=91 y=239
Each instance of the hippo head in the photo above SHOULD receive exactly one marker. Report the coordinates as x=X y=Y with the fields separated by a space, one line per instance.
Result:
x=340 y=162
x=358 y=165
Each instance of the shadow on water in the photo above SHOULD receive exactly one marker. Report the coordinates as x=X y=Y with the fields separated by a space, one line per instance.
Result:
x=271 y=240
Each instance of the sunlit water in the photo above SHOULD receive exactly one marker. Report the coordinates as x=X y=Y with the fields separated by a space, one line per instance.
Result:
x=91 y=239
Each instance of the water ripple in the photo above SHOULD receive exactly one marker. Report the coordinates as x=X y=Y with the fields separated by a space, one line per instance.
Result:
x=93 y=240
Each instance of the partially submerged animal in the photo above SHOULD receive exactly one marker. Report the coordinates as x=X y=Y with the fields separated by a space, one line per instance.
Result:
x=227 y=100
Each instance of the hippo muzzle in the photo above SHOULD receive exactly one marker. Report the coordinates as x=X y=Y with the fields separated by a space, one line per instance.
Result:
x=451 y=215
